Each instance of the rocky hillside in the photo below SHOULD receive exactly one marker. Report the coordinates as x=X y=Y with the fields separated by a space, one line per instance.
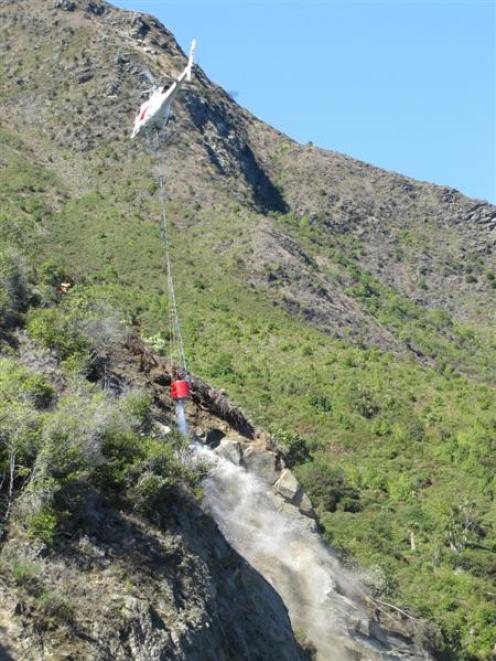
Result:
x=348 y=309
x=108 y=576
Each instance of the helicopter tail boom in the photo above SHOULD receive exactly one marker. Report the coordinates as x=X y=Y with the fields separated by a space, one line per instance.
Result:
x=189 y=67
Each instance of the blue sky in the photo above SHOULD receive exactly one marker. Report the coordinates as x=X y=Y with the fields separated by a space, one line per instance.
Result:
x=408 y=86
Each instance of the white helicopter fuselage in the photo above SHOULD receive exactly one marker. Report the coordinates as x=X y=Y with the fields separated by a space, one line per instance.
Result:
x=155 y=112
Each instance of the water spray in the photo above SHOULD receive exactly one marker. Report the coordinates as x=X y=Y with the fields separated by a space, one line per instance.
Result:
x=324 y=600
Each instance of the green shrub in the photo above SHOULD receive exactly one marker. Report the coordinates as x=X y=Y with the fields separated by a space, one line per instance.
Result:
x=25 y=572
x=327 y=486
x=158 y=343
x=363 y=402
x=93 y=442
x=52 y=608
x=55 y=330
x=320 y=403
x=43 y=524
x=20 y=422
x=223 y=365
x=15 y=291
x=136 y=405
x=294 y=447
x=81 y=326
x=149 y=492
x=38 y=391
x=54 y=271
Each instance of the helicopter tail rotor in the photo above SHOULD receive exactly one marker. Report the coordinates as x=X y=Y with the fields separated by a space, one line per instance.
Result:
x=189 y=68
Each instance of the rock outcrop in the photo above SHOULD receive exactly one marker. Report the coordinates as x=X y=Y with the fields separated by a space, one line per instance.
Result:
x=134 y=591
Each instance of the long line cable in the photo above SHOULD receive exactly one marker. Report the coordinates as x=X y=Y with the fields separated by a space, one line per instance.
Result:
x=176 y=339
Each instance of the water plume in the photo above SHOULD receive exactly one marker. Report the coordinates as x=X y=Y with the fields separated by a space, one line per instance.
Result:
x=325 y=602
x=181 y=418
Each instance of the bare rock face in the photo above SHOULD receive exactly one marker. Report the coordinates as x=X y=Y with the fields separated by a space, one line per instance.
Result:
x=145 y=593
x=231 y=154
x=262 y=463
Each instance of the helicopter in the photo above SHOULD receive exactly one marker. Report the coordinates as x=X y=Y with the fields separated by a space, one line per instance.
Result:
x=155 y=111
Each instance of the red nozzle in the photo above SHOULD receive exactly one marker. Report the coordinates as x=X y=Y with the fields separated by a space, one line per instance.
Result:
x=179 y=389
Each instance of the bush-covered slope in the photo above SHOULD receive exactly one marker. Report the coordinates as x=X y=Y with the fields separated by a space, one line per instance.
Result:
x=349 y=309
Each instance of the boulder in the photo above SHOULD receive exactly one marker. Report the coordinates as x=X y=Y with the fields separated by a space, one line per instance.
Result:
x=95 y=8
x=293 y=512
x=139 y=28
x=377 y=632
x=287 y=486
x=84 y=76
x=161 y=429
x=65 y=5
x=290 y=490
x=362 y=626
x=112 y=88
x=305 y=506
x=229 y=450
x=261 y=463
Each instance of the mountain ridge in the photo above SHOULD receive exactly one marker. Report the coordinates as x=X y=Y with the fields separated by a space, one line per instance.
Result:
x=352 y=206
